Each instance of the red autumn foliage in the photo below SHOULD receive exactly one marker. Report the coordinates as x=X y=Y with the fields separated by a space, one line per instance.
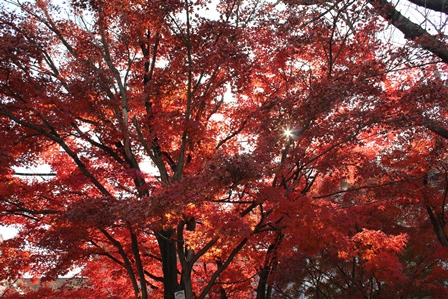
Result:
x=143 y=145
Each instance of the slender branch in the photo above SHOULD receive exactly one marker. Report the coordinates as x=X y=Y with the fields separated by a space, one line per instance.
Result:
x=34 y=174
x=53 y=135
x=127 y=263
x=233 y=134
x=139 y=264
x=411 y=30
x=103 y=147
x=155 y=156
x=436 y=5
x=222 y=268
x=110 y=256
x=359 y=188
x=204 y=249
x=181 y=160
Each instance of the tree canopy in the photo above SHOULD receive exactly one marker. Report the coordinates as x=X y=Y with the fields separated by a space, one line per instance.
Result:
x=224 y=149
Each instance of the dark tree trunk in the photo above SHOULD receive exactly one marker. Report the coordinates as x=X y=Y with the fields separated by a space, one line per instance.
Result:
x=438 y=227
x=264 y=275
x=169 y=262
x=264 y=289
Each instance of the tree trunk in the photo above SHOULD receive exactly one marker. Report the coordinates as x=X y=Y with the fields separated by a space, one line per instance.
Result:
x=439 y=228
x=169 y=262
x=186 y=284
x=264 y=289
x=264 y=275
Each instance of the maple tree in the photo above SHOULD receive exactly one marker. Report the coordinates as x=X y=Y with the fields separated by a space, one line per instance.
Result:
x=229 y=149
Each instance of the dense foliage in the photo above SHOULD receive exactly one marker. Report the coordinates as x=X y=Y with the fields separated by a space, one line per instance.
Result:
x=229 y=149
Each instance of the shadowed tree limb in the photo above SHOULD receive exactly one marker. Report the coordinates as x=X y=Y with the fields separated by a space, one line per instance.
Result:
x=436 y=5
x=438 y=130
x=412 y=31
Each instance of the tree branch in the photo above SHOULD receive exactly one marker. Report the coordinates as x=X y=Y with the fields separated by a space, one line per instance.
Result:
x=436 y=5
x=438 y=130
x=222 y=268
x=411 y=31
x=127 y=263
